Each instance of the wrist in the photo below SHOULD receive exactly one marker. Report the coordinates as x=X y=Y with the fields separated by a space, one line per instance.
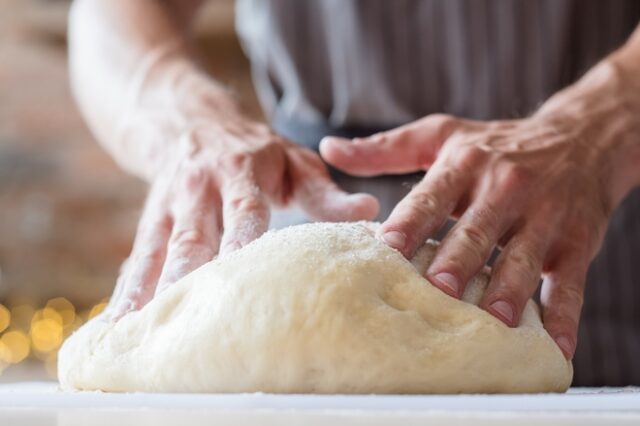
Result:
x=622 y=140
x=602 y=114
x=172 y=104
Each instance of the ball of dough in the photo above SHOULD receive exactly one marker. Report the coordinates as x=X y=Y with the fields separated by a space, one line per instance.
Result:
x=314 y=308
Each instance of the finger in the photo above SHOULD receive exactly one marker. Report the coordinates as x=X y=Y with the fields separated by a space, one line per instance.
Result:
x=516 y=275
x=146 y=259
x=424 y=210
x=496 y=201
x=324 y=200
x=466 y=248
x=320 y=197
x=194 y=238
x=118 y=289
x=245 y=214
x=562 y=296
x=405 y=149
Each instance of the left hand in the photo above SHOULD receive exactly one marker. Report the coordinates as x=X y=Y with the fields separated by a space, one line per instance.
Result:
x=541 y=188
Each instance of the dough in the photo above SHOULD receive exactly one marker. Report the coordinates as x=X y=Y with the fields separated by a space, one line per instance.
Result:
x=314 y=308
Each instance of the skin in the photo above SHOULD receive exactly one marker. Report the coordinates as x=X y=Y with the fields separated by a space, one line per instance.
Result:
x=541 y=188
x=214 y=173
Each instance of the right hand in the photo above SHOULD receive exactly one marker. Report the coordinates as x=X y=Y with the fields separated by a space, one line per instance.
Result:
x=213 y=195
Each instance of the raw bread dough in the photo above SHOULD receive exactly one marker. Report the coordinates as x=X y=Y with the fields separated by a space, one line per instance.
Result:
x=315 y=308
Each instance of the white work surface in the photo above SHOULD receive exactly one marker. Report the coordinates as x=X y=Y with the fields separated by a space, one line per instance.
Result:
x=27 y=404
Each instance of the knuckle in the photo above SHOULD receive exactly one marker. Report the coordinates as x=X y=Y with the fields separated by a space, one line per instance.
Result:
x=569 y=295
x=485 y=217
x=525 y=261
x=447 y=179
x=425 y=203
x=475 y=237
x=516 y=175
x=445 y=123
x=246 y=203
x=468 y=249
x=149 y=256
x=235 y=161
x=196 y=178
x=469 y=157
x=189 y=237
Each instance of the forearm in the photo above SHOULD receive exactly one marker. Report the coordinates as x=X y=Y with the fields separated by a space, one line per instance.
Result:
x=627 y=61
x=605 y=105
x=131 y=58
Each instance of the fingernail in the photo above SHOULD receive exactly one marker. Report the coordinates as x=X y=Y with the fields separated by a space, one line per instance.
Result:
x=230 y=246
x=344 y=145
x=565 y=345
x=394 y=239
x=504 y=310
x=449 y=281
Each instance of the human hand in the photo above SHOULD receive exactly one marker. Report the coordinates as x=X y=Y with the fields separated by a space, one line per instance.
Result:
x=540 y=188
x=214 y=173
x=213 y=194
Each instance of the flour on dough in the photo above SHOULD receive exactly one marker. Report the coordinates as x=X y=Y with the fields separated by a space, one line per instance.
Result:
x=314 y=308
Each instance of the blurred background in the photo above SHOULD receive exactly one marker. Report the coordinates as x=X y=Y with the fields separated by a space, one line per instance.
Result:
x=67 y=213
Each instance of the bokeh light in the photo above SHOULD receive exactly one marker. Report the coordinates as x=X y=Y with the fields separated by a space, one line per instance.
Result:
x=97 y=309
x=46 y=335
x=31 y=333
x=5 y=318
x=17 y=346
x=63 y=307
x=21 y=316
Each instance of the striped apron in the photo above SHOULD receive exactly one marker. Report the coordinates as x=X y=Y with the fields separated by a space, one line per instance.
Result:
x=354 y=67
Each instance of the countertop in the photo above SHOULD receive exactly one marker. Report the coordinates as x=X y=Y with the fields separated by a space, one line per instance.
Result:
x=43 y=403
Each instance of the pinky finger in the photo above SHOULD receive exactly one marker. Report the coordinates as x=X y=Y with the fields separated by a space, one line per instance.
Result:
x=516 y=276
x=137 y=285
x=118 y=289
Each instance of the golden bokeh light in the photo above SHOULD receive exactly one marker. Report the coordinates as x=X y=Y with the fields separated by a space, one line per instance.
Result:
x=21 y=316
x=77 y=322
x=5 y=353
x=46 y=334
x=97 y=309
x=64 y=308
x=48 y=314
x=5 y=318
x=17 y=346
x=28 y=332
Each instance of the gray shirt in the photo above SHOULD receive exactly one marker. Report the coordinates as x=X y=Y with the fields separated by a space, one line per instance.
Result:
x=356 y=66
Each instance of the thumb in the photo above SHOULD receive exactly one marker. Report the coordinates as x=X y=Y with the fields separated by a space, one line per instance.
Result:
x=405 y=149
